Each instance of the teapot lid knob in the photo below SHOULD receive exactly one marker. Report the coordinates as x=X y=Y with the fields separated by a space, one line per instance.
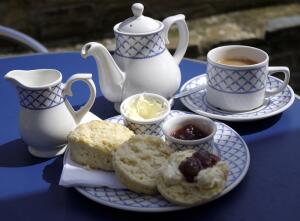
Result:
x=138 y=23
x=137 y=9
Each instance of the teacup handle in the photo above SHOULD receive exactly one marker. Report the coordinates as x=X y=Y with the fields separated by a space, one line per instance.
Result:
x=67 y=90
x=272 y=70
x=183 y=35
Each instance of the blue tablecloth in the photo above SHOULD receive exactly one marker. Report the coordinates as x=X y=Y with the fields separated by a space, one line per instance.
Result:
x=29 y=186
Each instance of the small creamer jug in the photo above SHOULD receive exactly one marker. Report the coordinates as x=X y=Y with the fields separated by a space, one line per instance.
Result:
x=46 y=116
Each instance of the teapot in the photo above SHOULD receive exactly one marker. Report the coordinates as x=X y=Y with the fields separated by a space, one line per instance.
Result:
x=46 y=116
x=141 y=61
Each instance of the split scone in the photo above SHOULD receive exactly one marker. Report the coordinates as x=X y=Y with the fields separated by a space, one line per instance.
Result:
x=192 y=177
x=138 y=161
x=91 y=144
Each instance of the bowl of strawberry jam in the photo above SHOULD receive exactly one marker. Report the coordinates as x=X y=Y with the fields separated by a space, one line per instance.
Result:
x=190 y=131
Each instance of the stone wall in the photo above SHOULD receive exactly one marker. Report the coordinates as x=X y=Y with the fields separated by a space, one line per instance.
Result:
x=77 y=20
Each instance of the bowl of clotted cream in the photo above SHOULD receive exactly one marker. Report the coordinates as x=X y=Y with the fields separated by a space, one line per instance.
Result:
x=144 y=112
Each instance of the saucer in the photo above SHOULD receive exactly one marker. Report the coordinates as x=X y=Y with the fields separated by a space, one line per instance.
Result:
x=276 y=104
x=228 y=144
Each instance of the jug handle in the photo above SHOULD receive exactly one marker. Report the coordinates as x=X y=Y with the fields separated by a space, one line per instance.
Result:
x=182 y=45
x=67 y=90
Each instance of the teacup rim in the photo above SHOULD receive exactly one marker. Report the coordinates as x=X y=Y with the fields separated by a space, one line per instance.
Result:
x=149 y=121
x=236 y=67
x=190 y=142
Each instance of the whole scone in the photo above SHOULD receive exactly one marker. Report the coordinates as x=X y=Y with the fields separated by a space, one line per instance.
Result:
x=138 y=161
x=207 y=184
x=91 y=144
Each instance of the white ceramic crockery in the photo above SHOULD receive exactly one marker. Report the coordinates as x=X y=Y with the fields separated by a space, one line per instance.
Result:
x=141 y=61
x=46 y=116
x=274 y=105
x=240 y=88
x=227 y=144
x=145 y=126
x=203 y=123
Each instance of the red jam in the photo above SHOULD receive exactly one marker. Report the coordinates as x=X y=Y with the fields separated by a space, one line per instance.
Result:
x=191 y=166
x=189 y=132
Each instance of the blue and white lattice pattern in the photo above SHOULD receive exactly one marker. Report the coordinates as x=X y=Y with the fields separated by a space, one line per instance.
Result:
x=139 y=46
x=276 y=104
x=41 y=99
x=232 y=149
x=227 y=144
x=207 y=146
x=148 y=129
x=233 y=81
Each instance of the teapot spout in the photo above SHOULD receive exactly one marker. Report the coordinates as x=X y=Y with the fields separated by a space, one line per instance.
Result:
x=111 y=78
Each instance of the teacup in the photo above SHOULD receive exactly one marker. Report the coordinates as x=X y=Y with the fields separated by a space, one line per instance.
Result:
x=237 y=75
x=138 y=124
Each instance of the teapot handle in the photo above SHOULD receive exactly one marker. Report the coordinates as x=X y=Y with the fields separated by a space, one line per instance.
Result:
x=67 y=90
x=183 y=35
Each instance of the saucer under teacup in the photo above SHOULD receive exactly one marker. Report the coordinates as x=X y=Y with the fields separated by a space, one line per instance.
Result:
x=274 y=105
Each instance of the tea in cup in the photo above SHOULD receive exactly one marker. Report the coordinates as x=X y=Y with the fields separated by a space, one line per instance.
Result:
x=237 y=75
x=236 y=61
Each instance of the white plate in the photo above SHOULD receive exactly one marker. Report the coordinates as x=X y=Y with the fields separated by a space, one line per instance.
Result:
x=227 y=143
x=89 y=117
x=197 y=103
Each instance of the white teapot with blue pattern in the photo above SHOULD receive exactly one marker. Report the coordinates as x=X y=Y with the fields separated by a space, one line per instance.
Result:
x=141 y=61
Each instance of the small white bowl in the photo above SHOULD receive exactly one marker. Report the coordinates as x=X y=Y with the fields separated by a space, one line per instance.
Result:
x=145 y=126
x=203 y=123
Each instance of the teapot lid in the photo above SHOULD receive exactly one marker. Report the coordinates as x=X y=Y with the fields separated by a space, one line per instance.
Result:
x=139 y=24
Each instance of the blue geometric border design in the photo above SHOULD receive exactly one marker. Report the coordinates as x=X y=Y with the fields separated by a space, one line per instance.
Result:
x=236 y=81
x=41 y=99
x=139 y=46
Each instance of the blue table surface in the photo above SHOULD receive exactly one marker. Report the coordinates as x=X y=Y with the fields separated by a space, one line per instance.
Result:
x=29 y=186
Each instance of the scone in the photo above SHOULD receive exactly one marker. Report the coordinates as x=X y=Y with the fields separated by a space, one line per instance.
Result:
x=91 y=144
x=138 y=160
x=195 y=187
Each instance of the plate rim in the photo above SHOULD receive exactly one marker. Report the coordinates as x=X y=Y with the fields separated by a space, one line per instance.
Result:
x=236 y=119
x=81 y=189
x=128 y=208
